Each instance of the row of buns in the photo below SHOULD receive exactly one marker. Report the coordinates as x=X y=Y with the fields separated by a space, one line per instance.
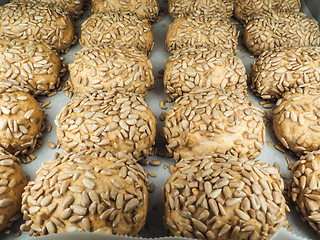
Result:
x=207 y=134
x=114 y=128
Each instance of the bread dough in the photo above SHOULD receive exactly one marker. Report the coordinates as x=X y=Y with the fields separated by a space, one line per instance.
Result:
x=88 y=191
x=109 y=67
x=115 y=120
x=192 y=68
x=223 y=198
x=209 y=121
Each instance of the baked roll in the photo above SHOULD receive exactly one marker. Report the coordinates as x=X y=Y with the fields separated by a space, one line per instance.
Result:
x=181 y=8
x=120 y=27
x=115 y=120
x=224 y=197
x=191 y=68
x=31 y=21
x=88 y=191
x=109 y=67
x=208 y=121
x=148 y=9
x=274 y=28
x=202 y=31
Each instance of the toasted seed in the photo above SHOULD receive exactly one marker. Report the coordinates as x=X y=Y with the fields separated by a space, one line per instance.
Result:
x=88 y=183
x=52 y=145
x=130 y=205
x=5 y=202
x=154 y=163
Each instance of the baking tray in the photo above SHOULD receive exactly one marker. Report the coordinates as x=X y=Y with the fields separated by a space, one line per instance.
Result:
x=154 y=223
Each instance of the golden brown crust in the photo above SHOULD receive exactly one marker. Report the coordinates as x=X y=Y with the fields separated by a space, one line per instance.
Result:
x=285 y=70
